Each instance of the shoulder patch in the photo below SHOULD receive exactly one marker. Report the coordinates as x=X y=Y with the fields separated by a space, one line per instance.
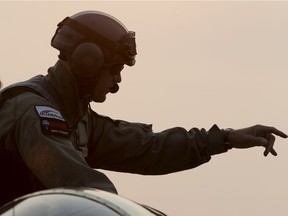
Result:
x=48 y=112
x=52 y=122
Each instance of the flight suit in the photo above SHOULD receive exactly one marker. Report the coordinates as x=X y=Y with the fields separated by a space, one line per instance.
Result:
x=61 y=141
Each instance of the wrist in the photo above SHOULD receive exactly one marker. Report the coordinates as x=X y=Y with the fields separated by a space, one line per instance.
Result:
x=226 y=138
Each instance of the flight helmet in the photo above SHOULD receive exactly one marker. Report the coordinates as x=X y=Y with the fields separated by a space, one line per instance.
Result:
x=90 y=40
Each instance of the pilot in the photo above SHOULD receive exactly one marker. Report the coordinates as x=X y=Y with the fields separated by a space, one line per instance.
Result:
x=50 y=136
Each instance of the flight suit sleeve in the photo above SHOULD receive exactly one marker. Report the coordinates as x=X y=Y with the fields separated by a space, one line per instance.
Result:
x=53 y=158
x=135 y=148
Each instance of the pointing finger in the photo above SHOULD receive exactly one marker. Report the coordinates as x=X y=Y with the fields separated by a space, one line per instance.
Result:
x=266 y=129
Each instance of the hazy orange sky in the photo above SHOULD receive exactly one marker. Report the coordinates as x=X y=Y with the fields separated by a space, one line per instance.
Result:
x=198 y=63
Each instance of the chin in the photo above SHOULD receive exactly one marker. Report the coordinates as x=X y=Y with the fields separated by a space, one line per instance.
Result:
x=99 y=100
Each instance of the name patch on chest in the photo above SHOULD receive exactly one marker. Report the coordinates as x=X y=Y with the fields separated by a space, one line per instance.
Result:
x=52 y=122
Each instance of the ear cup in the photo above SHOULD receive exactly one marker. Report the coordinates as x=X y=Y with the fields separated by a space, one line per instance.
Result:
x=87 y=59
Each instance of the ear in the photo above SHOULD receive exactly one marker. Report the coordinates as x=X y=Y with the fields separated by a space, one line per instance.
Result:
x=87 y=59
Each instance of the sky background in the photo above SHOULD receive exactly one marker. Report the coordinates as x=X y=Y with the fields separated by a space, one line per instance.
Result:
x=198 y=63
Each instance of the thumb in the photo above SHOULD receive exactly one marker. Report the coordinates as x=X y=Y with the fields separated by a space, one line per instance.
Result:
x=247 y=141
x=258 y=141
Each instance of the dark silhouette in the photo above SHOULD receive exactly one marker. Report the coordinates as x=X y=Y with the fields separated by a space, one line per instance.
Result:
x=50 y=136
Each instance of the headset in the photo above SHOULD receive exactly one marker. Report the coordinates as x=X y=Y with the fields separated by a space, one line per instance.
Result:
x=87 y=57
x=89 y=51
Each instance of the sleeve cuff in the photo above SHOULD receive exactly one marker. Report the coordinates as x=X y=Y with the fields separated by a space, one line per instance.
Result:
x=216 y=141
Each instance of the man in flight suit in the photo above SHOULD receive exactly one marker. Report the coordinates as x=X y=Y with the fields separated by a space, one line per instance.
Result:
x=50 y=136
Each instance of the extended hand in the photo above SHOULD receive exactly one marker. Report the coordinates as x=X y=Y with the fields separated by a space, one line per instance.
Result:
x=257 y=135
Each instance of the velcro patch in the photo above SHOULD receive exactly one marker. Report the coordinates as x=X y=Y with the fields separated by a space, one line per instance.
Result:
x=54 y=127
x=48 y=112
x=52 y=122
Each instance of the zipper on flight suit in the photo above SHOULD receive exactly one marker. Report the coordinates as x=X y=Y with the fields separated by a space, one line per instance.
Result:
x=81 y=140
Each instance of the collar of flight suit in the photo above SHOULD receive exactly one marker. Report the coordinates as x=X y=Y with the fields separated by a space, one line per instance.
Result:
x=63 y=87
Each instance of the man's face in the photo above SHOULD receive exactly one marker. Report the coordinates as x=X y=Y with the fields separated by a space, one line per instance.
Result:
x=111 y=75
